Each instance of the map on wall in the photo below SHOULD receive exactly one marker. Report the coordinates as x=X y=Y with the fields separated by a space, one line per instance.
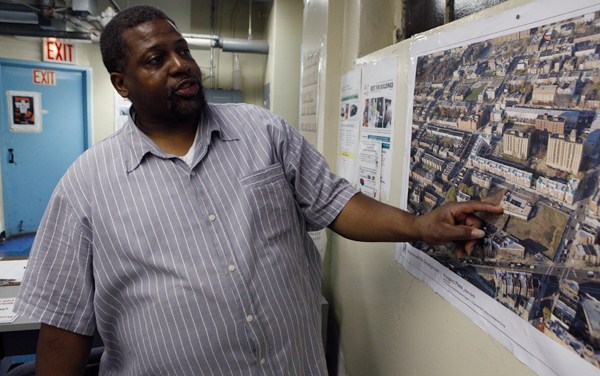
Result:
x=515 y=120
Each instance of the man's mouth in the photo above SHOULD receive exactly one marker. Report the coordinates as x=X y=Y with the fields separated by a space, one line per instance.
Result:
x=187 y=88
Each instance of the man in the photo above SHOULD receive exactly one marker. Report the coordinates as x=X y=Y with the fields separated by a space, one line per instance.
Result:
x=182 y=238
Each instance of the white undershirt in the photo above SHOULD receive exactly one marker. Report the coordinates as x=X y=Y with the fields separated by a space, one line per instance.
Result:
x=189 y=156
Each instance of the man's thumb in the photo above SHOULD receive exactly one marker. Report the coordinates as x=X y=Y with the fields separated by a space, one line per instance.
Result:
x=463 y=232
x=477 y=233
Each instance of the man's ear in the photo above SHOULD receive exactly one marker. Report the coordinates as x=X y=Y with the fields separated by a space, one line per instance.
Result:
x=116 y=78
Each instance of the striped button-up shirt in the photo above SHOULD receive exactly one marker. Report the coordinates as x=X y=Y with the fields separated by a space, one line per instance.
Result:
x=201 y=270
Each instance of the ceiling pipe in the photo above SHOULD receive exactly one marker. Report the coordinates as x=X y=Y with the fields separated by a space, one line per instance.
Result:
x=28 y=31
x=206 y=42
x=200 y=44
x=29 y=18
x=200 y=36
x=244 y=46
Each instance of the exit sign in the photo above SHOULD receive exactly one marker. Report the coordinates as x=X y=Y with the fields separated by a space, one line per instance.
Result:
x=59 y=51
x=44 y=77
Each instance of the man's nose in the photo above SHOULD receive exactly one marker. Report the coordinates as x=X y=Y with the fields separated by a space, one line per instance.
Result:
x=179 y=63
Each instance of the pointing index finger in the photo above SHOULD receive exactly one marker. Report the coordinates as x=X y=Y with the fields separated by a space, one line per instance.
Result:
x=479 y=206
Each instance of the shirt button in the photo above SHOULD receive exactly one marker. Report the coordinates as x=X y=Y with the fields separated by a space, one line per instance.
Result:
x=249 y=318
x=262 y=361
x=212 y=217
x=231 y=268
x=192 y=173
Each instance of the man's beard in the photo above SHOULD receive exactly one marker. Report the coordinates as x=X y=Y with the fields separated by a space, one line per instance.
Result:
x=184 y=107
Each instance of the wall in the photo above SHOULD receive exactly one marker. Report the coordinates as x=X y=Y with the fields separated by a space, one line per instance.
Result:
x=232 y=21
x=386 y=321
x=374 y=20
x=283 y=64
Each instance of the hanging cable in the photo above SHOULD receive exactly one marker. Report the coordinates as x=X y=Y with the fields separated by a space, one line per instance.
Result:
x=250 y=21
x=212 y=50
x=235 y=8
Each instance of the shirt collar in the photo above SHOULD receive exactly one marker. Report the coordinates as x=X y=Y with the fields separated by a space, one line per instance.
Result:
x=212 y=123
x=139 y=144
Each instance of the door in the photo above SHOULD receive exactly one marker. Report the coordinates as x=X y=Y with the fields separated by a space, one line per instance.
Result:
x=44 y=128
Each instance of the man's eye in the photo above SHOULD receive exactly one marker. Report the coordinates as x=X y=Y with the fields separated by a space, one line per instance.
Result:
x=186 y=52
x=155 y=60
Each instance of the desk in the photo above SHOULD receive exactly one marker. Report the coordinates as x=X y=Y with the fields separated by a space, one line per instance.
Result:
x=20 y=336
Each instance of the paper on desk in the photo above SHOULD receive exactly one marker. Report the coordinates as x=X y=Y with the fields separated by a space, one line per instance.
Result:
x=12 y=270
x=6 y=310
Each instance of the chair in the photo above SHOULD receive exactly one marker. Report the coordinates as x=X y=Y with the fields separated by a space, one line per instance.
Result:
x=91 y=369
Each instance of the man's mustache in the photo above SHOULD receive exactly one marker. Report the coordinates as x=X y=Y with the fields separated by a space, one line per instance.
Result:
x=171 y=89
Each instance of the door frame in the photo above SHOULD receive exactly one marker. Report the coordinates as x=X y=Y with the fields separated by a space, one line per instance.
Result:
x=87 y=108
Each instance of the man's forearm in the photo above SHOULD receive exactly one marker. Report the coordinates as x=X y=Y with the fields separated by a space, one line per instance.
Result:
x=60 y=352
x=365 y=219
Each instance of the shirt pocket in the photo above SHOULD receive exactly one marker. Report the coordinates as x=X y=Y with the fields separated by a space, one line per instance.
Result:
x=271 y=202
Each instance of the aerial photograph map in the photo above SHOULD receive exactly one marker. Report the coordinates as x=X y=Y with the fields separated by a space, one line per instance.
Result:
x=515 y=120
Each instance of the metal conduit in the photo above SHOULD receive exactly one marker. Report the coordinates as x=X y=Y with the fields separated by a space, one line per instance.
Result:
x=206 y=42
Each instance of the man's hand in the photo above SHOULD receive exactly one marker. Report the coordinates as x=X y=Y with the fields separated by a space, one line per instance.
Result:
x=455 y=222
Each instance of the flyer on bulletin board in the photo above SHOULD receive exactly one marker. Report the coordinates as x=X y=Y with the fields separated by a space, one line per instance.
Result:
x=378 y=97
x=309 y=95
x=349 y=130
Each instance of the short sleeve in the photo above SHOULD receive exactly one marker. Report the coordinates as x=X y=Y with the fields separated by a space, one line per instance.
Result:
x=58 y=285
x=320 y=194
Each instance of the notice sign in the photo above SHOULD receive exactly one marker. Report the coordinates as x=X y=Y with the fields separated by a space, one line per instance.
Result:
x=25 y=111
x=58 y=51
x=6 y=310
